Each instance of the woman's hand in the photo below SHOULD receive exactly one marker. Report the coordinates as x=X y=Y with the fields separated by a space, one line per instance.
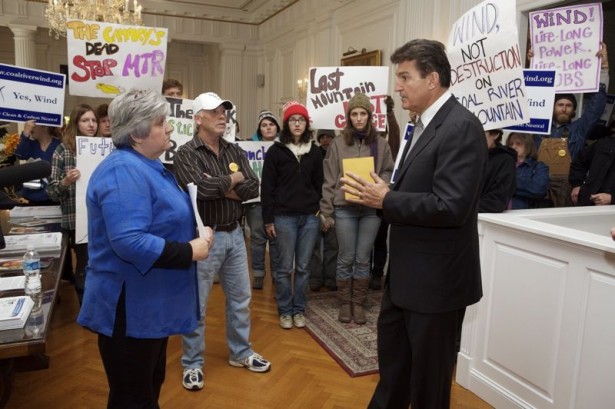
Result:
x=270 y=230
x=200 y=248
x=28 y=126
x=71 y=176
x=326 y=222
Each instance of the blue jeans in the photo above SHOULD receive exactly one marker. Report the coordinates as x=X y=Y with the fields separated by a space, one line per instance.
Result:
x=357 y=227
x=258 y=241
x=296 y=239
x=228 y=257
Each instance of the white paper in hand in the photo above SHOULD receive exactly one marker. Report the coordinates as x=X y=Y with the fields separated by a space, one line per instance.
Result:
x=192 y=188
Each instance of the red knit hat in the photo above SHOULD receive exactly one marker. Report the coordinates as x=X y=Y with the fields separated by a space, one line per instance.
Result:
x=294 y=108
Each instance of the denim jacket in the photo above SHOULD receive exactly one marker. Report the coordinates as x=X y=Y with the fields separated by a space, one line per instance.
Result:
x=532 y=183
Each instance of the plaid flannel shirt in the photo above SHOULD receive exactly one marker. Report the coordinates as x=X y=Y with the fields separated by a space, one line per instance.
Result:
x=62 y=160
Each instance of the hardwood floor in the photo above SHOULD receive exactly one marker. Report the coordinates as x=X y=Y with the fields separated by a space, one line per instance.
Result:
x=303 y=375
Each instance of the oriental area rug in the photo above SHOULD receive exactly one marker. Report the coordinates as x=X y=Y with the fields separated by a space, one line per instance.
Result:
x=352 y=346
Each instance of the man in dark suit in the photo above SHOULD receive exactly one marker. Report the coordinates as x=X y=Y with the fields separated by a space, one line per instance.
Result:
x=434 y=269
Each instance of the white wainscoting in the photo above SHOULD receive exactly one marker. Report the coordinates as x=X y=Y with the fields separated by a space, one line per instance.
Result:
x=543 y=336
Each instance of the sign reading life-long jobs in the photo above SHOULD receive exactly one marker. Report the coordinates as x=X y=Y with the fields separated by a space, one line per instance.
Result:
x=567 y=40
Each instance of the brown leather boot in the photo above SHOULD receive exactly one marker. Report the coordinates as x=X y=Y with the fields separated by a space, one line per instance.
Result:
x=359 y=297
x=343 y=294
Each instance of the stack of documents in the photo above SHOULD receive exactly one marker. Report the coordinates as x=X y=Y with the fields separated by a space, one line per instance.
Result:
x=14 y=311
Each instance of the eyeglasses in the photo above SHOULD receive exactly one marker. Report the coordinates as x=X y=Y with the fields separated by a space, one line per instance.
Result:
x=300 y=120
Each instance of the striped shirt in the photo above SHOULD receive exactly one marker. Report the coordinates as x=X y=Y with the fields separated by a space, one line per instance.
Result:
x=195 y=162
x=62 y=160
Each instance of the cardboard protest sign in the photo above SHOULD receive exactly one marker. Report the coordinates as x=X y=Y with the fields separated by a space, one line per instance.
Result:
x=330 y=89
x=540 y=87
x=105 y=59
x=230 y=132
x=567 y=39
x=486 y=65
x=31 y=94
x=91 y=150
x=256 y=152
x=182 y=126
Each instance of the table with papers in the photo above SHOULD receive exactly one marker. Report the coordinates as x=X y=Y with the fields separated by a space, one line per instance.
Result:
x=24 y=347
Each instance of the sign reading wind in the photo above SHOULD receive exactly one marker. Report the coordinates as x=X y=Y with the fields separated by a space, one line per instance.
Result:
x=487 y=66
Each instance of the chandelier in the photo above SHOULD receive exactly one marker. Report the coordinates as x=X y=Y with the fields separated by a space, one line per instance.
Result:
x=58 y=12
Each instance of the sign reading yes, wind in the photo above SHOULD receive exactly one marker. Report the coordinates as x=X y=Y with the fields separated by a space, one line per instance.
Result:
x=486 y=65
x=105 y=59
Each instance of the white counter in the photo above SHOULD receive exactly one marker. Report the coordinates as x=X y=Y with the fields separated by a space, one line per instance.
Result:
x=543 y=336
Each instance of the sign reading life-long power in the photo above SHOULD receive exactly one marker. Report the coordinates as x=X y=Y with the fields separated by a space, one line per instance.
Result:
x=31 y=94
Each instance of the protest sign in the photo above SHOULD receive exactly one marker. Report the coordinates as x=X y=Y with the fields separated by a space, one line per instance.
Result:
x=31 y=94
x=567 y=39
x=486 y=65
x=540 y=87
x=230 y=132
x=256 y=152
x=105 y=59
x=90 y=152
x=182 y=126
x=330 y=89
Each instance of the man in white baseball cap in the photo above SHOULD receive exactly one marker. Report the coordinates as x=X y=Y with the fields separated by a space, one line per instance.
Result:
x=224 y=178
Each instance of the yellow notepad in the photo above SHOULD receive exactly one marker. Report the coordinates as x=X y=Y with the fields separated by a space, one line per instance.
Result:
x=359 y=166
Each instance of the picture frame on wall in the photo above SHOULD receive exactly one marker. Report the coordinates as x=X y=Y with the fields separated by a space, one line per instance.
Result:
x=371 y=58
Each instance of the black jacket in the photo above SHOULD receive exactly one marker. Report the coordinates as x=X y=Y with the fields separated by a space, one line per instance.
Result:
x=289 y=186
x=593 y=170
x=499 y=180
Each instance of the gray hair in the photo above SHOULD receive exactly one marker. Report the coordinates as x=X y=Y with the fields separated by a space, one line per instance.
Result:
x=132 y=112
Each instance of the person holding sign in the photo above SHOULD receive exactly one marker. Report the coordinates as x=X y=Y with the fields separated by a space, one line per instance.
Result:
x=37 y=142
x=434 y=264
x=141 y=282
x=224 y=179
x=290 y=191
x=568 y=138
x=64 y=174
x=356 y=226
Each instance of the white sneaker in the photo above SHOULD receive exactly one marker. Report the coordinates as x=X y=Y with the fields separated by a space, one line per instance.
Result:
x=299 y=320
x=193 y=379
x=254 y=363
x=286 y=321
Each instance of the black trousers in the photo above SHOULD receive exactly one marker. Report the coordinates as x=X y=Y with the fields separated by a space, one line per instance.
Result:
x=416 y=356
x=135 y=367
x=81 y=252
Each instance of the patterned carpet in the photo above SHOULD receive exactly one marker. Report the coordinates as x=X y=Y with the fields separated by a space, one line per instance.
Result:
x=352 y=346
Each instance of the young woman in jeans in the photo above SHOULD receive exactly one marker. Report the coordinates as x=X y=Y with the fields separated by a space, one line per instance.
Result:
x=290 y=192
x=356 y=225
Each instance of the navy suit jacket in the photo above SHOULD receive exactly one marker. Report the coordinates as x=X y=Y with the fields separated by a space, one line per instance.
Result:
x=434 y=263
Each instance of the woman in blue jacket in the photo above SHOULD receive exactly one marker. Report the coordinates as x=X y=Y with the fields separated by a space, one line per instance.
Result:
x=532 y=175
x=141 y=284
